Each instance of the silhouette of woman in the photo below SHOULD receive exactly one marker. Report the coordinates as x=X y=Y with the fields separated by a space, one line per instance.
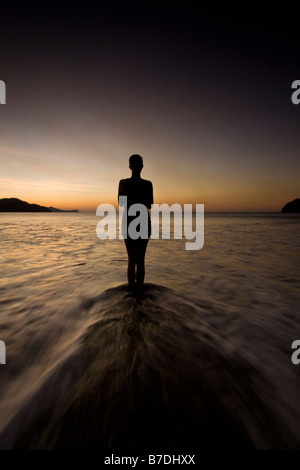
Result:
x=138 y=191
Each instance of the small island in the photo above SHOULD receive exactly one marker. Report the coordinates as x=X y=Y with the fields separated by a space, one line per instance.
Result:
x=292 y=207
x=16 y=205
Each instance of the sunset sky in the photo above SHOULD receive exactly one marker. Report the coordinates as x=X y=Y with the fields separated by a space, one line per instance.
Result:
x=204 y=95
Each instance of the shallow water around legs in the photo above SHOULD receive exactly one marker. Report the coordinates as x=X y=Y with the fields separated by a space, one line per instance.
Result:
x=206 y=345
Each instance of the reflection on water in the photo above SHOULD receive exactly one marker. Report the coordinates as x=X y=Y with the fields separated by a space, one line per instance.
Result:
x=201 y=357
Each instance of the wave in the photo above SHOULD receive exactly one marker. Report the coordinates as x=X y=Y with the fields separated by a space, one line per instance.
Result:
x=147 y=372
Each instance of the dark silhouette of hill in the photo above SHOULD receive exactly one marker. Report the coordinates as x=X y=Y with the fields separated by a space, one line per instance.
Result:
x=54 y=209
x=292 y=206
x=16 y=205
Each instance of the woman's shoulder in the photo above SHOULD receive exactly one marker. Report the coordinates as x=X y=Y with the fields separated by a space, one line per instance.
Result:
x=147 y=182
x=123 y=182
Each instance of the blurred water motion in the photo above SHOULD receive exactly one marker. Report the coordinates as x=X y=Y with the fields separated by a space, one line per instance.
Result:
x=201 y=358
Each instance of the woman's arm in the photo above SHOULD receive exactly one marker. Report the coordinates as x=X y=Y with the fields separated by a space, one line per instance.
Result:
x=150 y=196
x=121 y=191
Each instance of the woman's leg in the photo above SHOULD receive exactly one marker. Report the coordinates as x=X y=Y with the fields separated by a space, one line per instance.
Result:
x=131 y=262
x=140 y=261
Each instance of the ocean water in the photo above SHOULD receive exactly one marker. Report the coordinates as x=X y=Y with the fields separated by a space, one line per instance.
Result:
x=200 y=358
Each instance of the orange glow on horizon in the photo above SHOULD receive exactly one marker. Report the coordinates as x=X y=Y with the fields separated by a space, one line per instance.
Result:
x=88 y=182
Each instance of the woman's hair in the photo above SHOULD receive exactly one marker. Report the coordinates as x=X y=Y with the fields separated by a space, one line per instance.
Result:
x=136 y=162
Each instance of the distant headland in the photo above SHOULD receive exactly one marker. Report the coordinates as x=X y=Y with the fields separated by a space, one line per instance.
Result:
x=16 y=205
x=292 y=207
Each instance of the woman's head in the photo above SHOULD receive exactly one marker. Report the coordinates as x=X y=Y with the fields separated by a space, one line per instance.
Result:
x=136 y=162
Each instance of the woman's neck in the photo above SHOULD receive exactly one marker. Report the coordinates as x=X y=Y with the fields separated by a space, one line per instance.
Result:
x=136 y=176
